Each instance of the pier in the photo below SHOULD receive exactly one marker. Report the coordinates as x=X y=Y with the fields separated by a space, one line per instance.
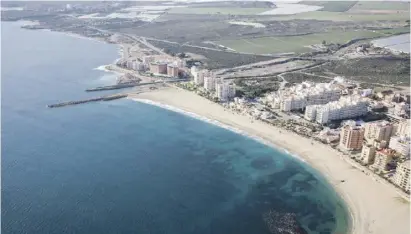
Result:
x=105 y=98
x=130 y=85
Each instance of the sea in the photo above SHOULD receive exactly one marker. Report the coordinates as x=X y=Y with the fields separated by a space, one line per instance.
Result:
x=128 y=167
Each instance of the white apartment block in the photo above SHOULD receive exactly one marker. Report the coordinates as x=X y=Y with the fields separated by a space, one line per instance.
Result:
x=367 y=155
x=305 y=94
x=402 y=175
x=345 y=108
x=379 y=130
x=199 y=77
x=382 y=159
x=403 y=128
x=400 y=144
x=225 y=91
x=210 y=83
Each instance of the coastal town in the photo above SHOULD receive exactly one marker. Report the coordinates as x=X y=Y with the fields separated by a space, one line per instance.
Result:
x=372 y=128
x=330 y=88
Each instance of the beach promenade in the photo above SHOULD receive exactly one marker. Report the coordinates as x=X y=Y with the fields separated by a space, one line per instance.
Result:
x=374 y=208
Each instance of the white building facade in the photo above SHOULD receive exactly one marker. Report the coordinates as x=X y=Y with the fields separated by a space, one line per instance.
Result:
x=305 y=94
x=346 y=107
x=210 y=83
x=401 y=145
x=225 y=91
x=402 y=175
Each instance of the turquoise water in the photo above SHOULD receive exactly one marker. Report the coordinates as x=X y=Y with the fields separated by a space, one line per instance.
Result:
x=128 y=167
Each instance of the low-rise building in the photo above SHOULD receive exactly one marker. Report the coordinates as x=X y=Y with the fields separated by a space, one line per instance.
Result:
x=367 y=155
x=402 y=176
x=400 y=144
x=380 y=144
x=382 y=159
x=351 y=137
x=329 y=135
x=401 y=109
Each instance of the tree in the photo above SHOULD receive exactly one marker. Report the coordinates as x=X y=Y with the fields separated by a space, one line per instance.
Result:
x=182 y=55
x=324 y=42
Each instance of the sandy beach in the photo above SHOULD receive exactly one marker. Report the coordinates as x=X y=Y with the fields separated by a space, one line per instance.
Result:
x=374 y=207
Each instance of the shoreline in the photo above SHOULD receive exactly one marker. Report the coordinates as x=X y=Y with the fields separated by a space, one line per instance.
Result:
x=367 y=210
x=375 y=222
x=262 y=140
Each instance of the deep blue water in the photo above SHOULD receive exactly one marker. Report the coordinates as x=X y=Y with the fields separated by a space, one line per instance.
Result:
x=128 y=167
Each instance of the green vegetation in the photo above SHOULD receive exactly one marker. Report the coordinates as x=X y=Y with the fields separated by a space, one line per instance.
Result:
x=383 y=70
x=253 y=91
x=213 y=11
x=332 y=6
x=381 y=5
x=394 y=31
x=343 y=16
x=298 y=44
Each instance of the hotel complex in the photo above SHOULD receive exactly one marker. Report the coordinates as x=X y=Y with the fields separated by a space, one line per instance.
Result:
x=305 y=94
x=345 y=108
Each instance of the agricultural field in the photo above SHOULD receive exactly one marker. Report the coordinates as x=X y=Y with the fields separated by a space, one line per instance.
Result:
x=297 y=44
x=213 y=59
x=217 y=11
x=362 y=6
x=332 y=6
x=343 y=16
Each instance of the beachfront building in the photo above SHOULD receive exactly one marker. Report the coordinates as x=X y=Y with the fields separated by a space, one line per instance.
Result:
x=367 y=155
x=344 y=108
x=210 y=83
x=194 y=73
x=329 y=135
x=225 y=91
x=311 y=112
x=304 y=94
x=400 y=144
x=172 y=70
x=382 y=159
x=402 y=176
x=403 y=128
x=158 y=68
x=351 y=137
x=199 y=77
x=379 y=130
